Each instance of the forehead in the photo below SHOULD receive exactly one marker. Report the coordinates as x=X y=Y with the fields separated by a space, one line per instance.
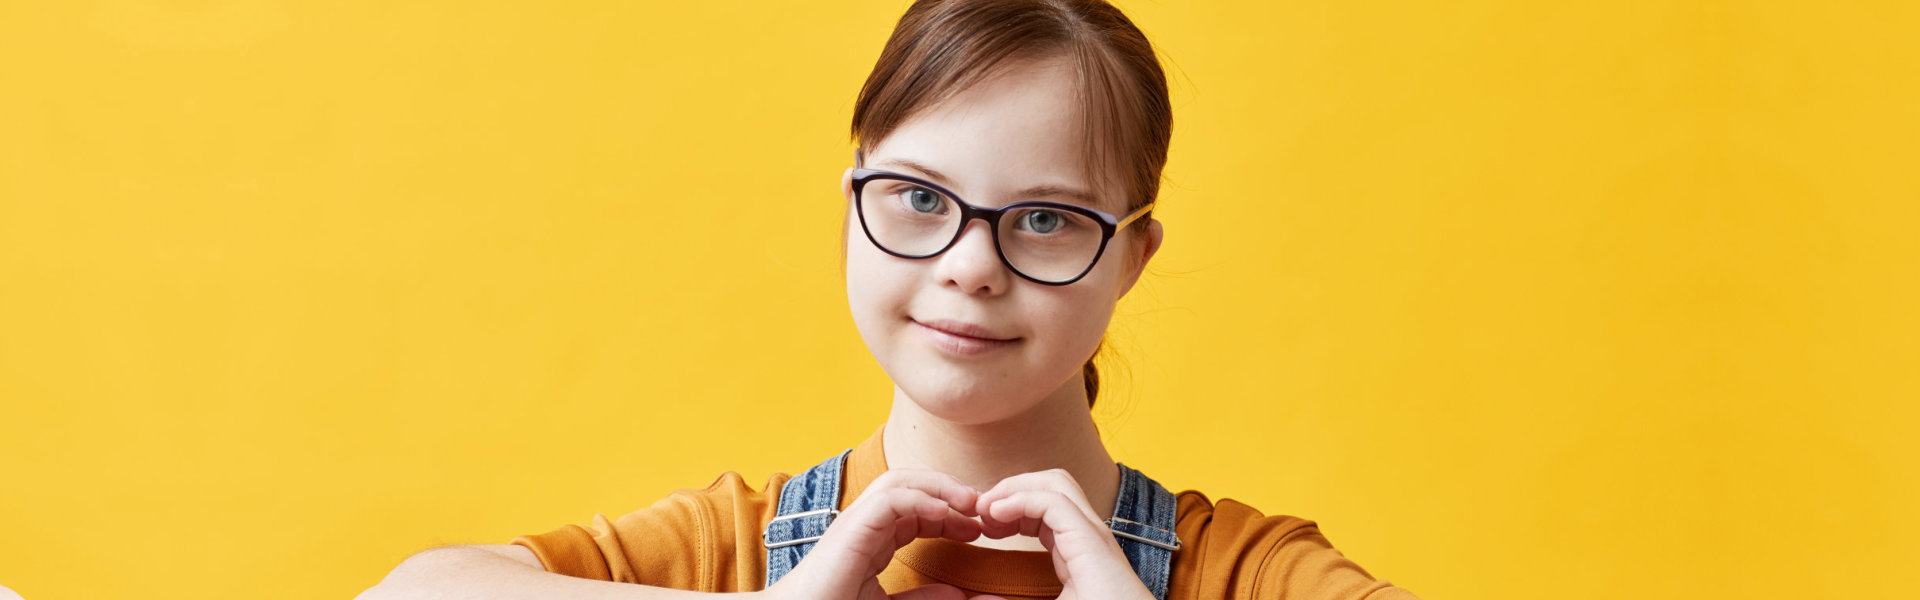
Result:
x=1018 y=128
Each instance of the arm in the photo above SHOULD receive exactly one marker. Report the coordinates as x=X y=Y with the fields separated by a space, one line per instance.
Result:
x=501 y=572
x=896 y=508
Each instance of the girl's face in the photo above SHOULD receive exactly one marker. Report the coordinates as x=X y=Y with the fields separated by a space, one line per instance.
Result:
x=962 y=336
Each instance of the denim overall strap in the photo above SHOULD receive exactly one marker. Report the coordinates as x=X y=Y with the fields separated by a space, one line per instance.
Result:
x=1143 y=519
x=808 y=504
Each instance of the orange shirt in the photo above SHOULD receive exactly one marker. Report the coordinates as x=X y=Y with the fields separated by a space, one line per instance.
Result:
x=709 y=540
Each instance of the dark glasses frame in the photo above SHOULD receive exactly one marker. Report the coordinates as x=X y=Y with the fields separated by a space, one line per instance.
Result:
x=1109 y=224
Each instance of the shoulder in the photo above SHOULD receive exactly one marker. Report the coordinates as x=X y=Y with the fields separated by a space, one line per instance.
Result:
x=730 y=492
x=716 y=509
x=1232 y=550
x=691 y=539
x=1231 y=521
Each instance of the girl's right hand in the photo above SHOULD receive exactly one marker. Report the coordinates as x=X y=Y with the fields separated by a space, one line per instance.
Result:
x=899 y=506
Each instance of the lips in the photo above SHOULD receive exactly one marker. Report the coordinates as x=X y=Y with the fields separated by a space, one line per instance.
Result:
x=964 y=329
x=959 y=338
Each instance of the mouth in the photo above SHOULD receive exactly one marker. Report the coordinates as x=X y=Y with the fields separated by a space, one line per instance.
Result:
x=956 y=337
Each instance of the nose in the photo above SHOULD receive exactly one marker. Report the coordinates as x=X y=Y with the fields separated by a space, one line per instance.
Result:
x=973 y=265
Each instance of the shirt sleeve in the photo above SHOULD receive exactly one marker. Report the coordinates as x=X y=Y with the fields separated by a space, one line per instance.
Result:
x=1237 y=553
x=685 y=541
x=1303 y=564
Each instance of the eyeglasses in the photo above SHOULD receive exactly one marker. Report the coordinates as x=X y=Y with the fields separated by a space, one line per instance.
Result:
x=1044 y=242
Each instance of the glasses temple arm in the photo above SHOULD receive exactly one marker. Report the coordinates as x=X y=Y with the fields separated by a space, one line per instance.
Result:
x=1135 y=215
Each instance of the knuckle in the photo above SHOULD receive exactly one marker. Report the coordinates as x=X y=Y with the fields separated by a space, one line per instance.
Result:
x=885 y=480
x=1066 y=478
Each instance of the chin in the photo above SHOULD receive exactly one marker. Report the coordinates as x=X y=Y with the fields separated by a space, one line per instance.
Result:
x=965 y=402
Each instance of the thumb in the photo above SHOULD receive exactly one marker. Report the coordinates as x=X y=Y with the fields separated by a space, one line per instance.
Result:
x=937 y=591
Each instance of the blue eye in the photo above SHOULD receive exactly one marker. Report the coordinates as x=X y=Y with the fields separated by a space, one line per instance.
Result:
x=1041 y=221
x=923 y=200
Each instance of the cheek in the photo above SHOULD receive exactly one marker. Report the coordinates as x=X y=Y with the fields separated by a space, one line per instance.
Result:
x=1085 y=309
x=1074 y=320
x=875 y=289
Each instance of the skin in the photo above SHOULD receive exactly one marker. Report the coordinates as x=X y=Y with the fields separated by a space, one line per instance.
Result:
x=996 y=448
x=1012 y=422
x=1021 y=408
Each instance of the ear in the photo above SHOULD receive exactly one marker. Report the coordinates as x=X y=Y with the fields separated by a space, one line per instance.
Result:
x=1151 y=244
x=846 y=191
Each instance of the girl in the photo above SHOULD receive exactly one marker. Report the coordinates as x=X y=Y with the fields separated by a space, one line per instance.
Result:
x=1000 y=204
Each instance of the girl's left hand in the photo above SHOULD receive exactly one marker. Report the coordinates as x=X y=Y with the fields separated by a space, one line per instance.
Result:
x=1050 y=505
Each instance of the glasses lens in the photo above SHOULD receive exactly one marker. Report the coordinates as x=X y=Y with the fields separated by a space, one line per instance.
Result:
x=1052 y=244
x=907 y=218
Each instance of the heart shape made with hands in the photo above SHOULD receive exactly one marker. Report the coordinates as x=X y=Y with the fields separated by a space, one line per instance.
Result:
x=905 y=504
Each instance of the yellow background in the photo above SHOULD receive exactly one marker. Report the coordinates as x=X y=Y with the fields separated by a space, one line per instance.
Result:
x=1591 y=299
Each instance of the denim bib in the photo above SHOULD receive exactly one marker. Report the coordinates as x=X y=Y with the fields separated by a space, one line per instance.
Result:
x=1143 y=520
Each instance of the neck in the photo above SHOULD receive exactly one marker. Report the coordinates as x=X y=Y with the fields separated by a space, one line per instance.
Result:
x=1058 y=433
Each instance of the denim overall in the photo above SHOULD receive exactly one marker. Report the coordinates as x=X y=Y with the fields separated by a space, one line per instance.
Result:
x=1143 y=519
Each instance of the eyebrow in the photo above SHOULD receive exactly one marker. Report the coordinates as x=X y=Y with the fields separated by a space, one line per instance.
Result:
x=1038 y=191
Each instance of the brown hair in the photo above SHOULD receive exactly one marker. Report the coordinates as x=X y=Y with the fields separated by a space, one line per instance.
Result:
x=942 y=46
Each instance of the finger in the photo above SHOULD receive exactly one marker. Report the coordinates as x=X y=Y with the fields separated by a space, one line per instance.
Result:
x=936 y=591
x=871 y=590
x=889 y=518
x=860 y=542
x=960 y=496
x=1082 y=550
x=866 y=528
x=952 y=525
x=880 y=522
x=886 y=521
x=1043 y=514
x=952 y=521
x=1054 y=480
